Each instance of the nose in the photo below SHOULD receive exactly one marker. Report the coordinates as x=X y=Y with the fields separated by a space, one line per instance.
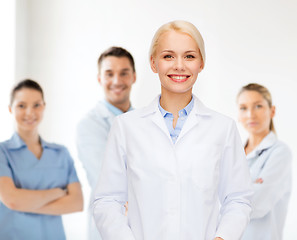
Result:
x=116 y=79
x=179 y=64
x=29 y=111
x=250 y=113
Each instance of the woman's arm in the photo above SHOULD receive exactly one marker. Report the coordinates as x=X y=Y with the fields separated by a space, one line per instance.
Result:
x=276 y=175
x=72 y=202
x=26 y=200
x=235 y=191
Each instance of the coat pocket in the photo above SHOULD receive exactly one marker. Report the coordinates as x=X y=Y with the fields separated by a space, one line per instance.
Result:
x=205 y=166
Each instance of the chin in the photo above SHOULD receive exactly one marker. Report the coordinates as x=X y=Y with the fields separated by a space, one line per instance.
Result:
x=29 y=127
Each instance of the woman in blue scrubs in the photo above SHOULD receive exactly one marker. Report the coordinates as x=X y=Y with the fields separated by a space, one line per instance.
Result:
x=269 y=160
x=38 y=181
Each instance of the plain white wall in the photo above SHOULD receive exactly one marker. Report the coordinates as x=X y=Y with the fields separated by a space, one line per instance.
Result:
x=59 y=41
x=7 y=59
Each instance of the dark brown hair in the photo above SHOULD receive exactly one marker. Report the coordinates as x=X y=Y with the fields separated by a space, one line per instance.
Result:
x=27 y=83
x=116 y=52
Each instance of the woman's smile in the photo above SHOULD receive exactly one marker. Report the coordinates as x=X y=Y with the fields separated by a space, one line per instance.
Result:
x=178 y=78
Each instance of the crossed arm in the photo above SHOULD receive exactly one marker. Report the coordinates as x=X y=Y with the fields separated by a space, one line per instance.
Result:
x=55 y=201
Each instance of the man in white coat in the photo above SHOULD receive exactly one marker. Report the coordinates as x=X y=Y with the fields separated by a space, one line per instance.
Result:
x=116 y=75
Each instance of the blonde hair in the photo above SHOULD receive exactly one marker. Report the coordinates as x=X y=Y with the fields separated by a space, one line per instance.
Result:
x=179 y=26
x=264 y=93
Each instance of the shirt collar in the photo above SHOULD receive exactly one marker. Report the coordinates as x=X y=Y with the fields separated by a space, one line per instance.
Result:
x=45 y=144
x=185 y=110
x=198 y=108
x=266 y=143
x=116 y=111
x=16 y=142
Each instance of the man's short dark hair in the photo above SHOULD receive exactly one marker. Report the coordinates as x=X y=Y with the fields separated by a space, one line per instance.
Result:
x=116 y=52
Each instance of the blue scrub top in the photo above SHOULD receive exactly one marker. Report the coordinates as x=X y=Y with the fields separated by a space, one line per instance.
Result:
x=55 y=169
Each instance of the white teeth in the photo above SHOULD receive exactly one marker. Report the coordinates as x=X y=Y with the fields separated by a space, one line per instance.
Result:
x=179 y=77
x=117 y=88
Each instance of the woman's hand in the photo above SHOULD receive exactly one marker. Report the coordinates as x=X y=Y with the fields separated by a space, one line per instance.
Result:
x=126 y=207
x=71 y=201
x=259 y=180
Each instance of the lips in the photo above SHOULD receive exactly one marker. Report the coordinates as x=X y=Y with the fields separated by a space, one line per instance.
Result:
x=30 y=122
x=117 y=90
x=179 y=78
x=252 y=124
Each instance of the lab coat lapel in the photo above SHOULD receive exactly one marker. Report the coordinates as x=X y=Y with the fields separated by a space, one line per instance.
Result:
x=198 y=112
x=158 y=119
x=103 y=112
x=153 y=112
x=191 y=122
x=110 y=119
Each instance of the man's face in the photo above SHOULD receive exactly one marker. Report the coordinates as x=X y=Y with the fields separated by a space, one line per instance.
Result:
x=116 y=77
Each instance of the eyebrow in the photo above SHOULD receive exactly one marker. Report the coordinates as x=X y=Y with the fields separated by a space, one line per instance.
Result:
x=191 y=51
x=171 y=51
x=168 y=51
x=24 y=102
x=123 y=70
x=252 y=103
x=258 y=101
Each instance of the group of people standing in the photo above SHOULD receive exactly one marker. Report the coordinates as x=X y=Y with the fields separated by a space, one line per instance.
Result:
x=173 y=170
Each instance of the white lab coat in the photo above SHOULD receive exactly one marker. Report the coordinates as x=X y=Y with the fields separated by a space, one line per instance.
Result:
x=195 y=189
x=91 y=138
x=271 y=160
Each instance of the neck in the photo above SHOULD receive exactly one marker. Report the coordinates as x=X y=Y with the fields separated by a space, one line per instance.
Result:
x=254 y=140
x=29 y=137
x=174 y=102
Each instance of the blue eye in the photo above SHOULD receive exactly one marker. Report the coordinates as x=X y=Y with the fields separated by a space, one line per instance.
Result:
x=190 y=56
x=258 y=106
x=167 y=56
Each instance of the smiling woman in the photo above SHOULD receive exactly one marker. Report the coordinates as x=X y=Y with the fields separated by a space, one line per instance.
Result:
x=177 y=61
x=27 y=106
x=38 y=181
x=172 y=160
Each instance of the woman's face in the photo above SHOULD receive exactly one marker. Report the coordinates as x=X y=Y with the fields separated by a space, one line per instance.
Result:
x=254 y=112
x=177 y=61
x=27 y=108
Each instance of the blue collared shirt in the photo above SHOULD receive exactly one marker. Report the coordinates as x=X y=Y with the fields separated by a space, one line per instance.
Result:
x=54 y=169
x=182 y=117
x=116 y=111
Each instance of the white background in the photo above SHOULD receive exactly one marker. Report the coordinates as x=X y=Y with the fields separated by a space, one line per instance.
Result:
x=58 y=42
